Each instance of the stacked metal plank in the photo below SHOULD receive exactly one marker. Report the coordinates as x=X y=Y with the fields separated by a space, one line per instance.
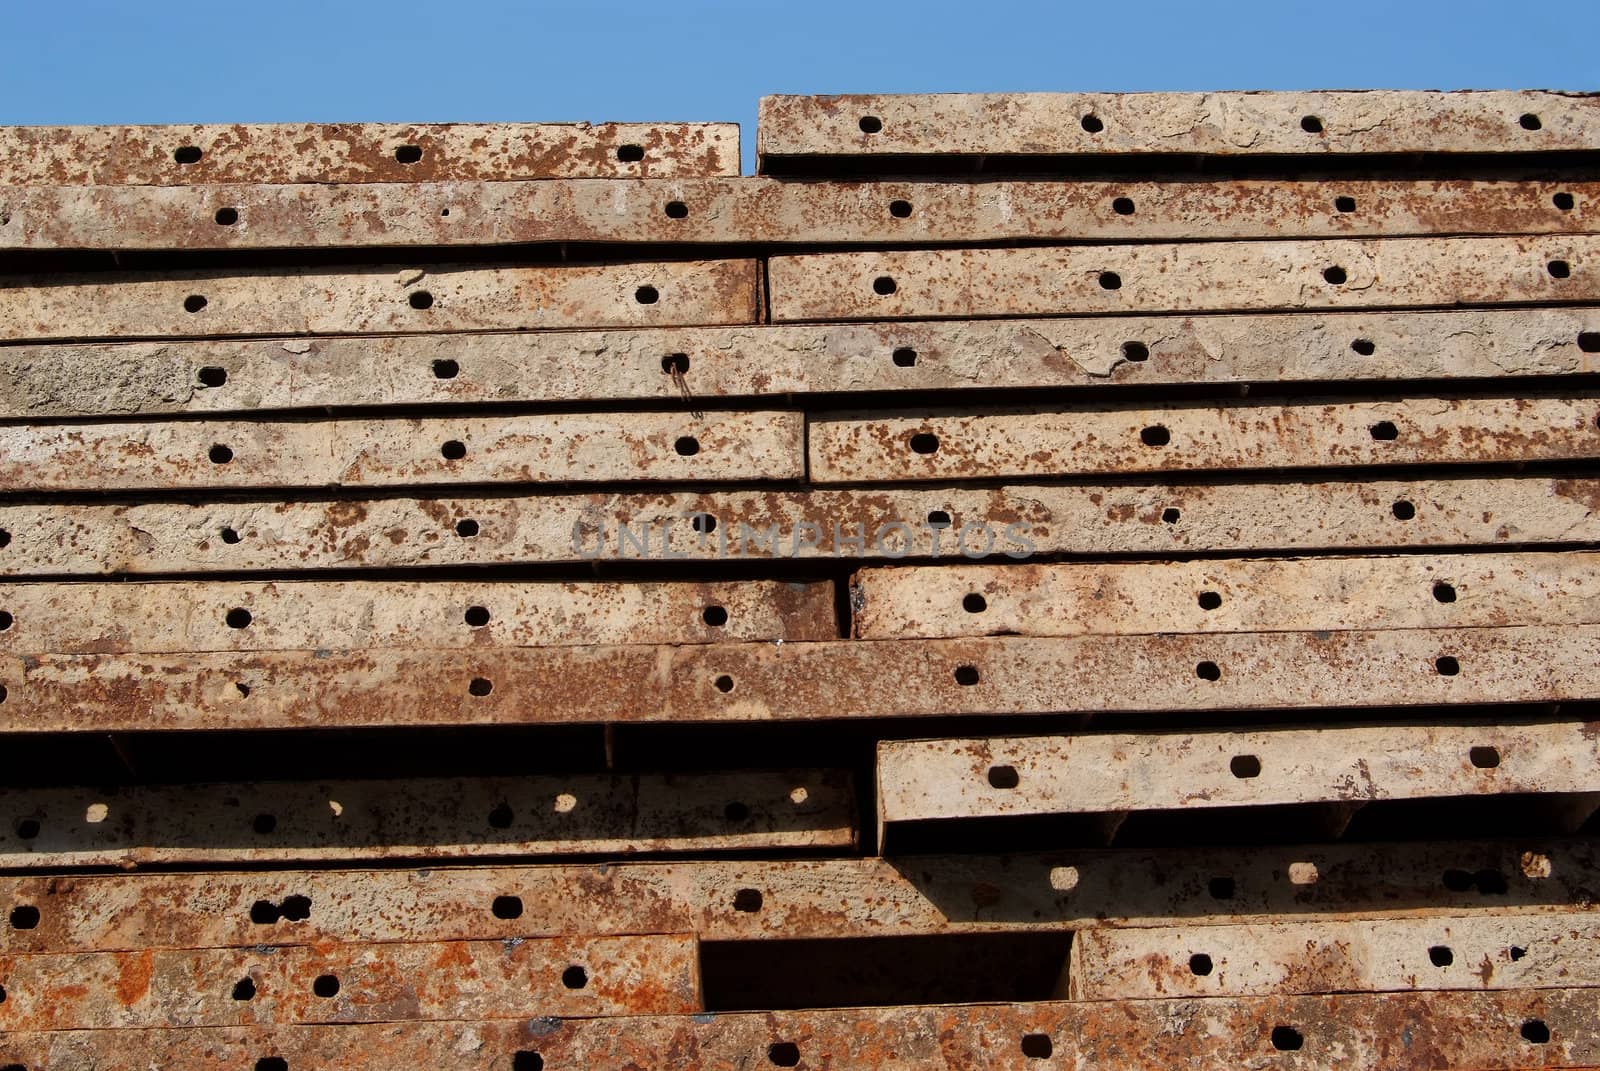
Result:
x=1024 y=582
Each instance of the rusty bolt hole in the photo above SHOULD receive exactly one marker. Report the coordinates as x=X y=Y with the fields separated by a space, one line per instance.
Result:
x=219 y=454
x=1200 y=964
x=900 y=209
x=1245 y=767
x=527 y=1060
x=630 y=154
x=480 y=687
x=883 y=286
x=1037 y=1046
x=1208 y=671
x=1091 y=124
x=24 y=917
x=925 y=442
x=1344 y=204
x=1516 y=952
x=1384 y=431
x=211 y=376
x=420 y=299
x=647 y=295
x=453 y=450
x=1529 y=121
x=1441 y=956
x=1155 y=435
x=574 y=977
x=1209 y=600
x=723 y=683
x=228 y=536
x=1123 y=206
x=1365 y=347
x=506 y=907
x=244 y=989
x=1444 y=592
x=1589 y=341
x=1484 y=757
x=1135 y=352
x=1563 y=201
x=194 y=303
x=1335 y=275
x=238 y=617
x=904 y=357
x=408 y=154
x=226 y=217
x=466 y=528
x=187 y=154
x=1403 y=510
x=291 y=909
x=446 y=369
x=6 y=620
x=870 y=124
x=714 y=616
x=676 y=210
x=2 y=994
x=326 y=985
x=783 y=1054
x=1287 y=1039
x=966 y=676
x=1110 y=280
x=686 y=446
x=1003 y=777
x=502 y=816
x=675 y=364
x=1311 y=124
x=264 y=824
x=936 y=519
x=703 y=523
x=1535 y=1032
x=1559 y=269
x=974 y=603
x=1447 y=666
x=747 y=900
x=476 y=616
x=1170 y=515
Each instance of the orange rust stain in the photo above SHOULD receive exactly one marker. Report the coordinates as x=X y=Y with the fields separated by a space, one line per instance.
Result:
x=133 y=978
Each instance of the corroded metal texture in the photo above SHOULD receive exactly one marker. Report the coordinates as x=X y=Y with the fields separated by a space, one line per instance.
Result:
x=273 y=987
x=554 y=448
x=1301 y=595
x=1183 y=436
x=743 y=900
x=306 y=615
x=1187 y=277
x=426 y=818
x=375 y=300
x=361 y=152
x=91 y=379
x=1223 y=124
x=1098 y=773
x=797 y=681
x=952 y=523
x=1372 y=955
x=1496 y=1031
x=736 y=210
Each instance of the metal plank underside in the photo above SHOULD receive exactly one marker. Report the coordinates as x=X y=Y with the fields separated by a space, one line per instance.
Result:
x=557 y=448
x=1372 y=955
x=1221 y=124
x=1187 y=277
x=743 y=900
x=756 y=210
x=579 y=977
x=361 y=152
x=1301 y=595
x=426 y=818
x=134 y=378
x=1497 y=1031
x=1096 y=773
x=299 y=615
x=946 y=523
x=375 y=300
x=750 y=682
x=1038 y=441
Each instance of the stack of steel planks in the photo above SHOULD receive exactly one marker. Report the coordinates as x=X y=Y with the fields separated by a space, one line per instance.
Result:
x=1051 y=581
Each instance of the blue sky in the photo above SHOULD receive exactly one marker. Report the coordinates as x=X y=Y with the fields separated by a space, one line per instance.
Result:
x=162 y=61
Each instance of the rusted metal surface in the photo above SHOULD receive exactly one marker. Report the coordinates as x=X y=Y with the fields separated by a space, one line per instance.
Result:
x=1098 y=773
x=746 y=900
x=1300 y=595
x=762 y=210
x=1496 y=1031
x=1222 y=124
x=375 y=300
x=361 y=152
x=555 y=448
x=1372 y=955
x=1188 y=436
x=71 y=379
x=304 y=615
x=797 y=681
x=426 y=818
x=1187 y=277
x=945 y=523
x=514 y=979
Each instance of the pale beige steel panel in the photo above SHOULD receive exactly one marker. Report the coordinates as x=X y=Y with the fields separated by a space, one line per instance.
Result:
x=181 y=155
x=1310 y=594
x=1100 y=772
x=131 y=378
x=552 y=448
x=1188 y=277
x=375 y=300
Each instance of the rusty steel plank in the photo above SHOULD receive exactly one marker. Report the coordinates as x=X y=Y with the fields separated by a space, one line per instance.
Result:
x=737 y=210
x=132 y=378
x=954 y=523
x=1187 y=277
x=269 y=986
x=304 y=615
x=361 y=152
x=555 y=448
x=375 y=300
x=743 y=900
x=1221 y=124
x=1195 y=436
x=425 y=818
x=797 y=681
x=1486 y=1031
x=1296 y=595
x=1101 y=773
x=1368 y=956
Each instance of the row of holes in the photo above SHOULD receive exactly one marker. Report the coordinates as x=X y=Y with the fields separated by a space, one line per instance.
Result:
x=421 y=300
x=475 y=616
x=1093 y=124
x=975 y=603
x=1201 y=964
x=455 y=450
x=404 y=154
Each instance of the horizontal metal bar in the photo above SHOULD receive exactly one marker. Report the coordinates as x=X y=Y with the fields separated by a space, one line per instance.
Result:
x=1097 y=773
x=954 y=523
x=134 y=378
x=746 y=900
x=1194 y=436
x=375 y=300
x=1301 y=595
x=580 y=977
x=1221 y=124
x=361 y=152
x=1187 y=277
x=736 y=210
x=580 y=447
x=304 y=615
x=1501 y=1031
x=1372 y=955
x=797 y=681
x=425 y=818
